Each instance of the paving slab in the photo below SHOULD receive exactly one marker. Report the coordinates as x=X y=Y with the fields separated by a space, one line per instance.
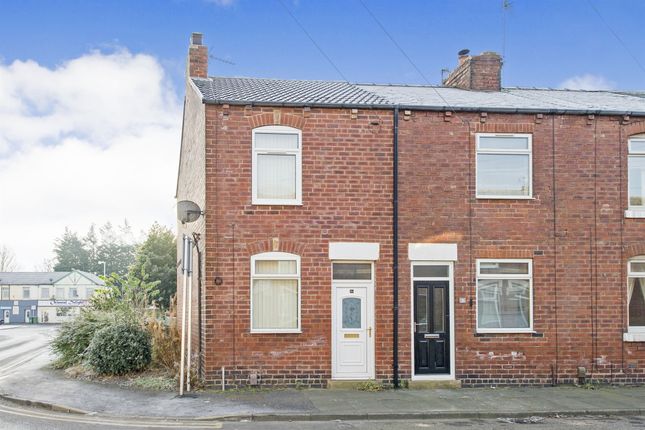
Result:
x=36 y=383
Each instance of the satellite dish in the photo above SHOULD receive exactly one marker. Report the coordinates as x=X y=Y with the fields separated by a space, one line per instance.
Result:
x=188 y=211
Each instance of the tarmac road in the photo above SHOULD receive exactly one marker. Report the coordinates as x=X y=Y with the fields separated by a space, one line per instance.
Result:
x=14 y=417
x=23 y=346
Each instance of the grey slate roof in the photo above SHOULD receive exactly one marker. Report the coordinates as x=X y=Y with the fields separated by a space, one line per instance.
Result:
x=41 y=278
x=279 y=92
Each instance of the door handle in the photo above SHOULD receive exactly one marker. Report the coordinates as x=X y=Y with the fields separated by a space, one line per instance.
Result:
x=369 y=331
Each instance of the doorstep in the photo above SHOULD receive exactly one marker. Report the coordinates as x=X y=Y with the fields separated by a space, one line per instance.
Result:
x=433 y=383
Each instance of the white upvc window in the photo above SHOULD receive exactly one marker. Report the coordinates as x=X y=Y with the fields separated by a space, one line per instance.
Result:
x=636 y=173
x=5 y=293
x=504 y=166
x=26 y=292
x=504 y=296
x=636 y=296
x=275 y=293
x=73 y=293
x=44 y=292
x=277 y=166
x=60 y=293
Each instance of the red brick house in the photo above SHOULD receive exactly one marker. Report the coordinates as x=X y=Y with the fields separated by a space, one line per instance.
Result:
x=468 y=232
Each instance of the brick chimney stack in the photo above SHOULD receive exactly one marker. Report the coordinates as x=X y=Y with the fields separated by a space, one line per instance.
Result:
x=197 y=66
x=479 y=73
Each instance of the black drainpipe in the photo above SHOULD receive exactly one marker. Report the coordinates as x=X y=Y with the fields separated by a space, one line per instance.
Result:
x=395 y=247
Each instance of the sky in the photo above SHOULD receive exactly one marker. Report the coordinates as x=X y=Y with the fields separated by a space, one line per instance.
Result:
x=91 y=90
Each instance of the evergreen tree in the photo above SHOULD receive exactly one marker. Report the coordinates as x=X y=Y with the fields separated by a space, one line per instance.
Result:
x=156 y=258
x=70 y=253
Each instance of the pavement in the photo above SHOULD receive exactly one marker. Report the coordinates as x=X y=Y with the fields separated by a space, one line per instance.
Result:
x=26 y=379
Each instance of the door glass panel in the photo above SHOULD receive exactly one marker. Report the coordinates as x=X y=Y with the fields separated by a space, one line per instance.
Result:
x=430 y=271
x=422 y=310
x=351 y=312
x=352 y=271
x=438 y=306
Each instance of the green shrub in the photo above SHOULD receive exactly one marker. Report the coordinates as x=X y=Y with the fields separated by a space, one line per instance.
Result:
x=74 y=337
x=119 y=348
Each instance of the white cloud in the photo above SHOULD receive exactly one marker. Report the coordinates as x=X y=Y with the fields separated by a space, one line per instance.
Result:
x=93 y=140
x=588 y=82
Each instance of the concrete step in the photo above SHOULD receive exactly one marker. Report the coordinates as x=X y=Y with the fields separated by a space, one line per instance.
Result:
x=433 y=384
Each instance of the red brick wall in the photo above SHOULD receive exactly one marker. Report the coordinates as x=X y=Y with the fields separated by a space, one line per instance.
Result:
x=575 y=234
x=583 y=247
x=346 y=188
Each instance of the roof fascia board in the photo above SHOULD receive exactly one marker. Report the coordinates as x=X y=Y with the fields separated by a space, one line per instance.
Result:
x=426 y=108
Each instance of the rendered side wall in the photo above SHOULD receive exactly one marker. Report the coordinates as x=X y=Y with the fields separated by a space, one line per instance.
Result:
x=190 y=186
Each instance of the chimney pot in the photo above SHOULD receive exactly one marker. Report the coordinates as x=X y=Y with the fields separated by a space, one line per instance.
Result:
x=196 y=38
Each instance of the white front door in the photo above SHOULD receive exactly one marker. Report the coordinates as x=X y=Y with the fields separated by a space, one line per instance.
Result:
x=353 y=331
x=27 y=315
x=7 y=314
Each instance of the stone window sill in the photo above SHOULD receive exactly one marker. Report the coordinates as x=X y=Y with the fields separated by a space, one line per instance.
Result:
x=634 y=337
x=631 y=213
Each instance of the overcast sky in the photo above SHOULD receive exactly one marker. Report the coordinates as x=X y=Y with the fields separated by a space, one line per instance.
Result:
x=91 y=90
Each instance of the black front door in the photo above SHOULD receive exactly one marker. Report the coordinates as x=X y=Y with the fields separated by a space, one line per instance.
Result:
x=431 y=327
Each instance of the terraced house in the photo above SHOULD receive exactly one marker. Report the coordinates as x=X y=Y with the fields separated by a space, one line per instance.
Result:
x=465 y=233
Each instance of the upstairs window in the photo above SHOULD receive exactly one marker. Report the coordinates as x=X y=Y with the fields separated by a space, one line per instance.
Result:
x=636 y=173
x=60 y=293
x=44 y=292
x=277 y=166
x=5 y=293
x=636 y=295
x=504 y=166
x=26 y=292
x=504 y=296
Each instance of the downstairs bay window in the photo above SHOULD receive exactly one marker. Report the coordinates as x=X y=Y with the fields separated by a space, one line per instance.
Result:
x=504 y=296
x=275 y=293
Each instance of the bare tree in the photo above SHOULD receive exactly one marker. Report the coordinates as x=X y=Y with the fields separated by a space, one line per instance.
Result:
x=47 y=265
x=7 y=260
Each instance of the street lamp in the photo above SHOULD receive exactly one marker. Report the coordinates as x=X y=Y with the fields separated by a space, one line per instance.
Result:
x=103 y=263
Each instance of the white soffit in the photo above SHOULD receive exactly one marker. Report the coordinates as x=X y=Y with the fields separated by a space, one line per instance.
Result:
x=353 y=251
x=432 y=251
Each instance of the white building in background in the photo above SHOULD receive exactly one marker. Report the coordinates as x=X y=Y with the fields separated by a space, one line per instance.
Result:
x=45 y=297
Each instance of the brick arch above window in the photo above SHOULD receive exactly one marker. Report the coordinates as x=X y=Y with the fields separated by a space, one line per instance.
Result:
x=634 y=251
x=274 y=245
x=277 y=118
x=634 y=128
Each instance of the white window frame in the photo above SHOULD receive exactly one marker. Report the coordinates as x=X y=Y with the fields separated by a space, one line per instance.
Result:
x=2 y=293
x=634 y=211
x=529 y=275
x=44 y=296
x=451 y=298
x=57 y=290
x=528 y=152
x=281 y=129
x=74 y=296
x=638 y=330
x=273 y=256
x=352 y=281
x=28 y=291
